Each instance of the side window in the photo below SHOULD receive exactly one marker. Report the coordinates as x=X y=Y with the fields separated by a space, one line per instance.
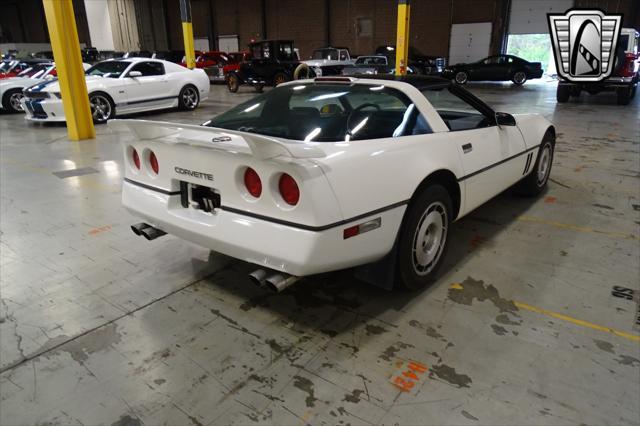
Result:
x=343 y=55
x=285 y=52
x=456 y=113
x=149 y=68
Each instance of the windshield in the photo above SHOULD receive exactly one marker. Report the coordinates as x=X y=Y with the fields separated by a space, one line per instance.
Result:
x=111 y=69
x=331 y=54
x=326 y=113
x=371 y=60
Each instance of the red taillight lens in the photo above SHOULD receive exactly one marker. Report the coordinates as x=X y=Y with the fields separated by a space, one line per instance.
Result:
x=289 y=189
x=153 y=160
x=252 y=182
x=136 y=158
x=629 y=65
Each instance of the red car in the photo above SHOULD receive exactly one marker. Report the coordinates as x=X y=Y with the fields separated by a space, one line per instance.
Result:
x=235 y=59
x=207 y=59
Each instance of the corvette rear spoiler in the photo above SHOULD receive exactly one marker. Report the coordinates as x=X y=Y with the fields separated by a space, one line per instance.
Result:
x=262 y=147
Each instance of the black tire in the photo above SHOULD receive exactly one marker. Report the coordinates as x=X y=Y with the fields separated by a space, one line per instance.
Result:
x=633 y=91
x=258 y=87
x=425 y=225
x=11 y=100
x=102 y=107
x=280 y=78
x=536 y=180
x=519 y=77
x=188 y=98
x=624 y=95
x=461 y=77
x=562 y=93
x=233 y=83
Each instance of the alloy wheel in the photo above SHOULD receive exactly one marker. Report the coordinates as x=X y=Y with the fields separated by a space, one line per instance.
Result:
x=14 y=101
x=100 y=108
x=544 y=165
x=429 y=238
x=190 y=98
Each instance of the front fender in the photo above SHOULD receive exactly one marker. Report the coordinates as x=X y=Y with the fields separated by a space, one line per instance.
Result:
x=533 y=128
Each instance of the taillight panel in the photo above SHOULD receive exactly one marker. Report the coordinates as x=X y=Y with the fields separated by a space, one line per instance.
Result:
x=252 y=182
x=153 y=162
x=135 y=157
x=288 y=188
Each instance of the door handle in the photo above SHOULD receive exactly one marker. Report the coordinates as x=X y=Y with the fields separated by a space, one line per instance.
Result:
x=466 y=148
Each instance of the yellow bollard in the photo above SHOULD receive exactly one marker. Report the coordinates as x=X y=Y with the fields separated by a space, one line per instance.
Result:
x=66 y=53
x=402 y=38
x=187 y=33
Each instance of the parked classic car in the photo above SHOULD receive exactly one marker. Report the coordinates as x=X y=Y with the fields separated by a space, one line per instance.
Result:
x=219 y=72
x=123 y=86
x=624 y=78
x=329 y=61
x=378 y=64
x=272 y=62
x=418 y=62
x=495 y=68
x=11 y=88
x=271 y=181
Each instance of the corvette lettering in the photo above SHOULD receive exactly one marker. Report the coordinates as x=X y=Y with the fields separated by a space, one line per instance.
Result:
x=199 y=175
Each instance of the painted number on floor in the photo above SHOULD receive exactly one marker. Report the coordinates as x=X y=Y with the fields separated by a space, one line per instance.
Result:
x=408 y=375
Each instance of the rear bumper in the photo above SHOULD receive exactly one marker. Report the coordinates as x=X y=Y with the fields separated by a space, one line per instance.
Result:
x=262 y=242
x=608 y=84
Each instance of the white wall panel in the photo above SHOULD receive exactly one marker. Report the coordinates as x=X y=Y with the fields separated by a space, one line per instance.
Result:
x=469 y=42
x=530 y=16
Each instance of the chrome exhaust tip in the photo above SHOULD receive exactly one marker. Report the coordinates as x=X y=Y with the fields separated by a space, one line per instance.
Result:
x=151 y=233
x=280 y=281
x=138 y=227
x=258 y=276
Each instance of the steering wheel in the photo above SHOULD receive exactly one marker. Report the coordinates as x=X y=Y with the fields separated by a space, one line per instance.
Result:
x=359 y=108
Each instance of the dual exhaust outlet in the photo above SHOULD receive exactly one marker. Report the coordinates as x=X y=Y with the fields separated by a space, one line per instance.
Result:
x=272 y=280
x=147 y=231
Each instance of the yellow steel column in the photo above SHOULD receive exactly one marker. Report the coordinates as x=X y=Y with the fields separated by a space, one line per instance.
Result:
x=66 y=52
x=402 y=38
x=187 y=33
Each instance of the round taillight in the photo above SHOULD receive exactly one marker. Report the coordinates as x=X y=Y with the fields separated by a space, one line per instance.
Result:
x=252 y=182
x=153 y=160
x=289 y=189
x=136 y=158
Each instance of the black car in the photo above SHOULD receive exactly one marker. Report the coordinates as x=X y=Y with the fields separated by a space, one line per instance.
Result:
x=272 y=62
x=418 y=62
x=495 y=68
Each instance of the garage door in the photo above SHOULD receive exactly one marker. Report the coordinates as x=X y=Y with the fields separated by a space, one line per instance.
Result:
x=530 y=16
x=469 y=42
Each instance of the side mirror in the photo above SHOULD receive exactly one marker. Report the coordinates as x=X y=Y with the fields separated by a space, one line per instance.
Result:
x=504 y=119
x=134 y=74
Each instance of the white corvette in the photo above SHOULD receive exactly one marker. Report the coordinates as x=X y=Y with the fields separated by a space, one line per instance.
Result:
x=124 y=86
x=325 y=174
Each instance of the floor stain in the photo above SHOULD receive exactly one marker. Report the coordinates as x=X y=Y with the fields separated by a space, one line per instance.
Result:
x=471 y=289
x=374 y=329
x=504 y=319
x=354 y=396
x=389 y=353
x=430 y=331
x=499 y=330
x=628 y=360
x=603 y=206
x=469 y=416
x=305 y=385
x=449 y=375
x=605 y=346
x=99 y=340
x=127 y=420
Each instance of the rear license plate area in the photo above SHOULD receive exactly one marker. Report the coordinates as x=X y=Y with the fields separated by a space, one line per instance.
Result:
x=199 y=197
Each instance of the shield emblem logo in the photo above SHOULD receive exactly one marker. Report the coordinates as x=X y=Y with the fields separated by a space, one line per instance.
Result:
x=584 y=43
